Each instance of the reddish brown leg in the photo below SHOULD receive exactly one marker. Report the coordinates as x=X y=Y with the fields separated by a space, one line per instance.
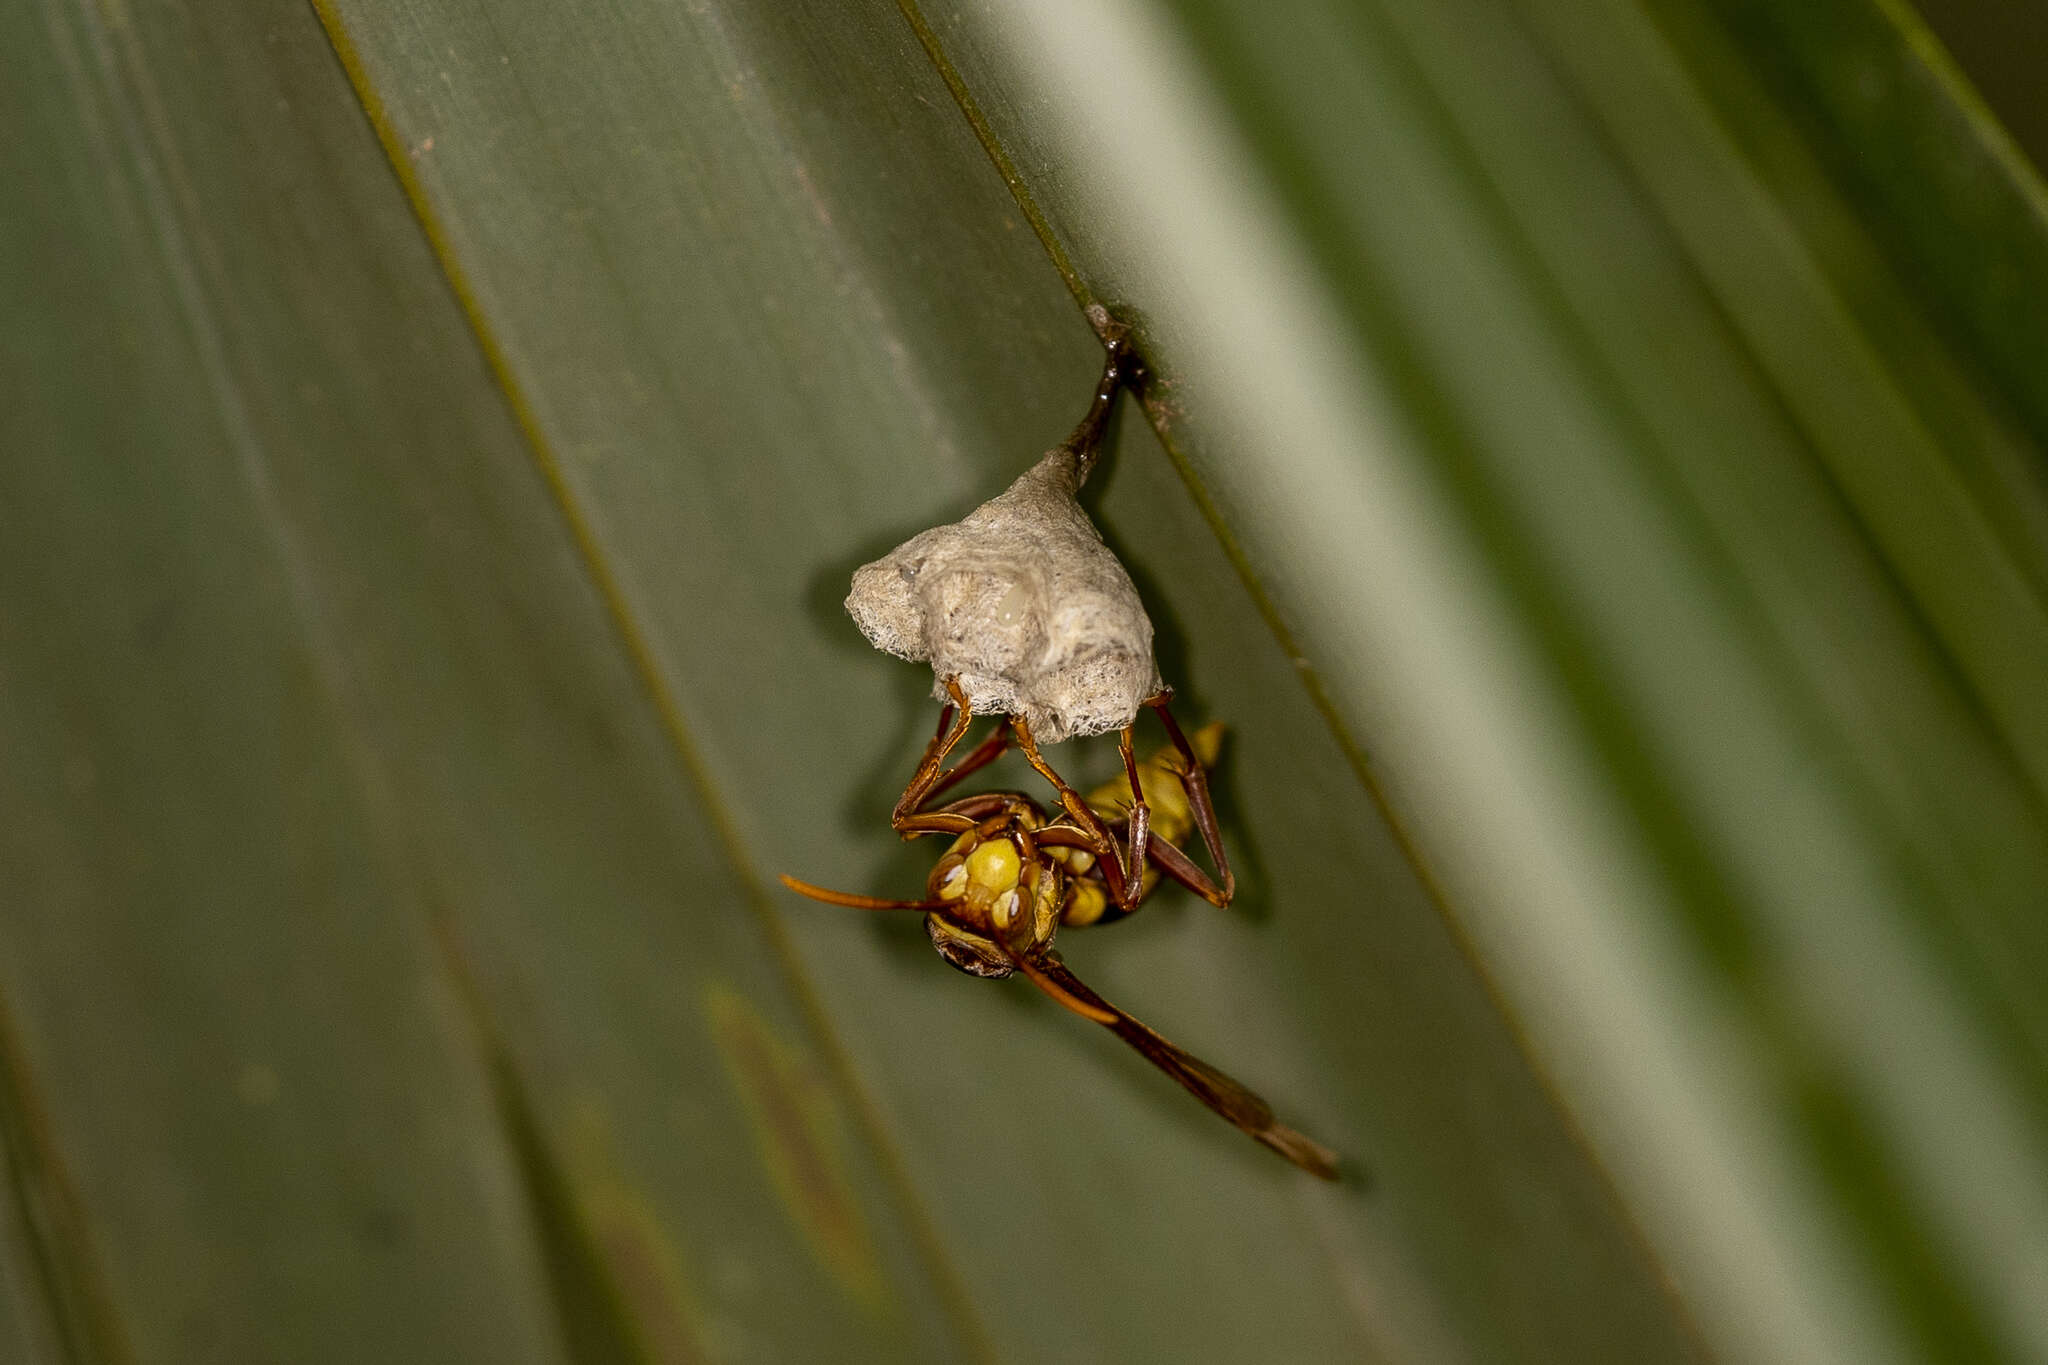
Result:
x=935 y=822
x=1196 y=783
x=983 y=754
x=1138 y=831
x=1182 y=869
x=953 y=721
x=977 y=807
x=1107 y=856
x=1066 y=836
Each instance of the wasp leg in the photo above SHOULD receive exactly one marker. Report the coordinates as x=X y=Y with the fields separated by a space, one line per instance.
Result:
x=988 y=751
x=929 y=781
x=979 y=806
x=1107 y=855
x=1222 y=1094
x=1195 y=781
x=953 y=722
x=1169 y=859
x=1066 y=836
x=1138 y=831
x=935 y=822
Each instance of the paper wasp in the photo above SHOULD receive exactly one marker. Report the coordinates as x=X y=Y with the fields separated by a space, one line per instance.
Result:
x=1022 y=610
x=1012 y=876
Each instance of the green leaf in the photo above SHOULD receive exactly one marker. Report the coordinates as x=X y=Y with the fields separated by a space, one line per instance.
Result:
x=364 y=933
x=1592 y=464
x=1601 y=453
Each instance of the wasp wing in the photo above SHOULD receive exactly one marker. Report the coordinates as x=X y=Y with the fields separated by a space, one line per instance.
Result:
x=1205 y=1082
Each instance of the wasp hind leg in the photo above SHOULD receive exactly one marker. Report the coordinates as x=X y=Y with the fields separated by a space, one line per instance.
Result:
x=1194 y=780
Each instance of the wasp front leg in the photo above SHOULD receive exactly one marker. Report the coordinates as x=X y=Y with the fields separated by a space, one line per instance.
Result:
x=953 y=722
x=932 y=777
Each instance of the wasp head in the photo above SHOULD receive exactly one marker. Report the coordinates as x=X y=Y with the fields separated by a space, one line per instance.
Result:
x=1001 y=894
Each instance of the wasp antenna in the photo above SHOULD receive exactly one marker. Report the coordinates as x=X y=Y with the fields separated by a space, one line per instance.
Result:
x=852 y=901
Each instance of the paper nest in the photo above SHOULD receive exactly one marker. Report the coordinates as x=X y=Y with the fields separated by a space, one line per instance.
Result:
x=1024 y=604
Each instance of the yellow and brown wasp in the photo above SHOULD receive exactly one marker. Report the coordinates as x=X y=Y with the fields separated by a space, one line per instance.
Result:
x=1012 y=876
x=1023 y=611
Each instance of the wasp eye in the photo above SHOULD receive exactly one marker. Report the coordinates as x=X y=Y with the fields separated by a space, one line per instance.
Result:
x=1005 y=908
x=994 y=864
x=953 y=885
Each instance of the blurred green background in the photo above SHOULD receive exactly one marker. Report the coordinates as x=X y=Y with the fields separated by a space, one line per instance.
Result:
x=1999 y=47
x=1594 y=465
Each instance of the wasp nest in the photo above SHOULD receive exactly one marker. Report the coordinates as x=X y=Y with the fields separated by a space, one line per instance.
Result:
x=1021 y=602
